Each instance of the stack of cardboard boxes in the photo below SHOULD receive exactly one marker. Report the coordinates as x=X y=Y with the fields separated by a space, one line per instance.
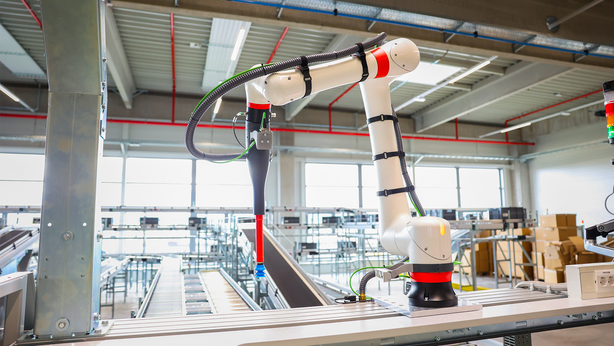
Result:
x=559 y=245
x=553 y=250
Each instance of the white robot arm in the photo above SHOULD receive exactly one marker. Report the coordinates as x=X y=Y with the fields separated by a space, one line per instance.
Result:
x=425 y=240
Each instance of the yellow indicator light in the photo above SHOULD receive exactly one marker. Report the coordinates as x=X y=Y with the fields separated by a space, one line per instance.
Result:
x=442 y=228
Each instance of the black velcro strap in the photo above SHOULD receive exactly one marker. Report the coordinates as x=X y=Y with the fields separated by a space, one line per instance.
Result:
x=363 y=60
x=387 y=193
x=304 y=68
x=382 y=117
x=386 y=155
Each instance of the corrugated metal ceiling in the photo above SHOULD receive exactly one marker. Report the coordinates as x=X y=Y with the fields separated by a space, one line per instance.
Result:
x=146 y=39
x=574 y=83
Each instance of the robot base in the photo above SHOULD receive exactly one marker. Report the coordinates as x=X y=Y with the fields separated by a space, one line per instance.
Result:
x=432 y=295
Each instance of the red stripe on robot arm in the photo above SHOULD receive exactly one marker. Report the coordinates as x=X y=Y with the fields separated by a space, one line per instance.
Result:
x=259 y=105
x=383 y=65
x=431 y=277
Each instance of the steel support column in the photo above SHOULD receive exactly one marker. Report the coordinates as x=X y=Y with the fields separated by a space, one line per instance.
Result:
x=68 y=297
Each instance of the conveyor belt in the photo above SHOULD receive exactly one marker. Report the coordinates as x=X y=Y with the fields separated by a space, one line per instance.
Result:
x=222 y=297
x=291 y=281
x=167 y=298
x=196 y=300
x=9 y=238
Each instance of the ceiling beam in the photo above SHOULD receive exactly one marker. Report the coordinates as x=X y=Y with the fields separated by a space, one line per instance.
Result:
x=528 y=16
x=349 y=26
x=517 y=78
x=338 y=42
x=16 y=59
x=117 y=61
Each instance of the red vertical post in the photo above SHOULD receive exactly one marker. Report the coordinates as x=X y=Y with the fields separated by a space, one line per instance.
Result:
x=278 y=44
x=173 y=59
x=456 y=124
x=25 y=3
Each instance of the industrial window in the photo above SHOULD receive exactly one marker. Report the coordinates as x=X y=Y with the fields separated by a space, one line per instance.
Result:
x=436 y=187
x=223 y=185
x=110 y=190
x=331 y=185
x=21 y=179
x=480 y=187
x=369 y=186
x=158 y=182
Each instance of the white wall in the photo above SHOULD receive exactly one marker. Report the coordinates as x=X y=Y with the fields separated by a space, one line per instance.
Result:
x=575 y=181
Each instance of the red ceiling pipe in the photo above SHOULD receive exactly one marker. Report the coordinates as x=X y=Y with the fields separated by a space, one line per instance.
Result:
x=25 y=3
x=330 y=107
x=215 y=126
x=456 y=124
x=173 y=58
x=283 y=34
x=548 y=107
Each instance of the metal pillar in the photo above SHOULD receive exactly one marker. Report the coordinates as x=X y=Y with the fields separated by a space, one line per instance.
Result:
x=68 y=295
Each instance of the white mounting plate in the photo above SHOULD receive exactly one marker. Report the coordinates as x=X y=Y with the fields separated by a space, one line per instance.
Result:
x=400 y=304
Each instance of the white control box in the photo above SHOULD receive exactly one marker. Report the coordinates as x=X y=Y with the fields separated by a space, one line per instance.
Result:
x=590 y=281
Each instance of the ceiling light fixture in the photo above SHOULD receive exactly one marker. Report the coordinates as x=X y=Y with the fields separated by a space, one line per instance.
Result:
x=218 y=104
x=15 y=98
x=469 y=71
x=9 y=93
x=238 y=43
x=519 y=126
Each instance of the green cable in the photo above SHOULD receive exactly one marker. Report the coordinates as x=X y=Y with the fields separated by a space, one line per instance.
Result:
x=414 y=204
x=238 y=157
x=217 y=86
x=356 y=271
x=249 y=147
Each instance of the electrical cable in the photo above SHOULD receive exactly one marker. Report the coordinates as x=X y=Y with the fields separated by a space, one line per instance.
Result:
x=234 y=121
x=251 y=74
x=371 y=274
x=246 y=149
x=413 y=197
x=606 y=202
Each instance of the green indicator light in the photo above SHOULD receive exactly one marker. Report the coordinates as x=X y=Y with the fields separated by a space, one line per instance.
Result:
x=611 y=132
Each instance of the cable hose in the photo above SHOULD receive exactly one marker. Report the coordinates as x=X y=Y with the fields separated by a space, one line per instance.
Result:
x=370 y=275
x=606 y=202
x=249 y=75
x=412 y=191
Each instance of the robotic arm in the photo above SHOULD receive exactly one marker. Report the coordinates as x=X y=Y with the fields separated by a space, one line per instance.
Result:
x=425 y=240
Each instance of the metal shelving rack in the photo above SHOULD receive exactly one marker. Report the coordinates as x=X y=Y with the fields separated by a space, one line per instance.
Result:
x=504 y=238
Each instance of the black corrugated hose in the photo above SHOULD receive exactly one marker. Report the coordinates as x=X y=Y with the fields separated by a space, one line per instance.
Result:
x=253 y=74
x=370 y=275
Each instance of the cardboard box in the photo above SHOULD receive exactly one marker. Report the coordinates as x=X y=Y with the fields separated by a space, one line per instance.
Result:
x=517 y=231
x=552 y=233
x=571 y=220
x=586 y=257
x=554 y=276
x=553 y=257
x=540 y=245
x=519 y=258
x=483 y=260
x=540 y=272
x=504 y=271
x=553 y=220
x=578 y=242
x=538 y=258
x=515 y=247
